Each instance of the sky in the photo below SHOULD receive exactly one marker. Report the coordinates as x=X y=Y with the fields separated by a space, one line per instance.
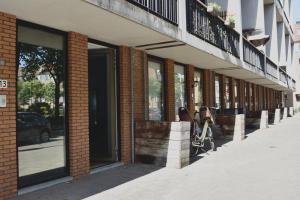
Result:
x=296 y=10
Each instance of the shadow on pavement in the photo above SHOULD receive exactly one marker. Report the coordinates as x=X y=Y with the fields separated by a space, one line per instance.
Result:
x=91 y=184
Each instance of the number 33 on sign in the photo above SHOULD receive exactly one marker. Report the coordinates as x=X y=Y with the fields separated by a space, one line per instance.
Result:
x=3 y=83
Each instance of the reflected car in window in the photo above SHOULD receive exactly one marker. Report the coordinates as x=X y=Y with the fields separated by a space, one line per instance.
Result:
x=32 y=128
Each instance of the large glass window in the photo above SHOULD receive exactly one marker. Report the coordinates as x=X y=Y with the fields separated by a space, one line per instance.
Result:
x=155 y=87
x=236 y=93
x=180 y=100
x=246 y=96
x=227 y=93
x=198 y=89
x=217 y=92
x=40 y=105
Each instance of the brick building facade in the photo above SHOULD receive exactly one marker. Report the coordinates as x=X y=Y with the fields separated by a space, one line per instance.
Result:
x=136 y=87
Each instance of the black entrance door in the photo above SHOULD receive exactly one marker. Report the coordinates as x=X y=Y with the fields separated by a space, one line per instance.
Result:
x=102 y=107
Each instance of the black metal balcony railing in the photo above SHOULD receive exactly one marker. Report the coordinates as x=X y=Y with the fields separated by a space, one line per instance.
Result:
x=271 y=68
x=211 y=28
x=253 y=56
x=283 y=76
x=166 y=9
x=294 y=84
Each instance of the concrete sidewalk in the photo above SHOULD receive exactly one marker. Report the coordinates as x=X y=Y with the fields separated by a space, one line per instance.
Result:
x=265 y=166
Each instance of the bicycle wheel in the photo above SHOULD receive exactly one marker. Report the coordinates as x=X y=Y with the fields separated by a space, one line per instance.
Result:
x=209 y=144
x=194 y=149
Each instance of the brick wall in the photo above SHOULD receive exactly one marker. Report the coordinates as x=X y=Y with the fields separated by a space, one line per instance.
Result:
x=189 y=87
x=232 y=93
x=125 y=104
x=222 y=91
x=208 y=88
x=8 y=159
x=169 y=90
x=241 y=93
x=78 y=104
x=140 y=65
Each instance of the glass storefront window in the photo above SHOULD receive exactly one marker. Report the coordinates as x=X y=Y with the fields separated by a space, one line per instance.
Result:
x=40 y=105
x=155 y=87
x=227 y=93
x=217 y=92
x=198 y=89
x=180 y=100
x=236 y=93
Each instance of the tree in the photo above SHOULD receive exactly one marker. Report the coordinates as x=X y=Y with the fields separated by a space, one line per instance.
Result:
x=43 y=60
x=49 y=92
x=24 y=94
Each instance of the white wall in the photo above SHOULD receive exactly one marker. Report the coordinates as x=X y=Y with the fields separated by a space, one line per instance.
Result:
x=271 y=30
x=281 y=43
x=253 y=14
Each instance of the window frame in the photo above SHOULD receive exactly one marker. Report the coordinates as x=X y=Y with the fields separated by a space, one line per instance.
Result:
x=60 y=172
x=201 y=86
x=160 y=61
x=185 y=84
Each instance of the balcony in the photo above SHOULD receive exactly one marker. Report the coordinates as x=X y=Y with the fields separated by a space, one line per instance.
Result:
x=271 y=68
x=283 y=77
x=294 y=85
x=166 y=9
x=253 y=56
x=211 y=29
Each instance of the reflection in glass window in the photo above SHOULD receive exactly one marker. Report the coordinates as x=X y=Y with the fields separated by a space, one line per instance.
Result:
x=217 y=92
x=40 y=104
x=236 y=90
x=227 y=93
x=180 y=101
x=198 y=90
x=246 y=96
x=155 y=86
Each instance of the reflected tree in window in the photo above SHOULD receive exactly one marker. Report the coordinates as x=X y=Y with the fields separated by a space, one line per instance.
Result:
x=41 y=60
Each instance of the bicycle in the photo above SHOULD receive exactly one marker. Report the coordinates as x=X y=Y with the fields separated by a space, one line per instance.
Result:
x=201 y=133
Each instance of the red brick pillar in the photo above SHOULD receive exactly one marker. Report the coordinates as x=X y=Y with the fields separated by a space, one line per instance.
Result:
x=169 y=90
x=140 y=69
x=208 y=88
x=212 y=89
x=8 y=154
x=78 y=104
x=125 y=104
x=190 y=87
x=232 y=92
x=268 y=99
x=206 y=78
x=241 y=94
x=254 y=97
x=223 y=92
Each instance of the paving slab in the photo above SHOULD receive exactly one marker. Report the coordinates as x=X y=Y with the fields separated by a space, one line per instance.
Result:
x=264 y=166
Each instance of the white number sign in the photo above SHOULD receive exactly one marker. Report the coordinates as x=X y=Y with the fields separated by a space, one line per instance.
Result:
x=3 y=83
